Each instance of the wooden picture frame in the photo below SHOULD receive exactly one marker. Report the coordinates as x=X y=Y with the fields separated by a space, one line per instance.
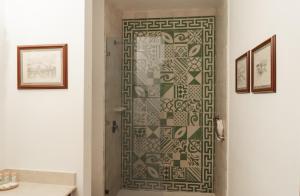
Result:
x=42 y=66
x=263 y=67
x=242 y=73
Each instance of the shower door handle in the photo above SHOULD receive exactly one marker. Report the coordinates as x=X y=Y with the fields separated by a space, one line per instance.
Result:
x=115 y=126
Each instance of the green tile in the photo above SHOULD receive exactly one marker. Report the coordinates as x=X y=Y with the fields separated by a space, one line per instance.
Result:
x=168 y=89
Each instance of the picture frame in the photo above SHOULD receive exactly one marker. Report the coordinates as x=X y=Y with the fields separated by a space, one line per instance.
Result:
x=242 y=73
x=42 y=66
x=263 y=67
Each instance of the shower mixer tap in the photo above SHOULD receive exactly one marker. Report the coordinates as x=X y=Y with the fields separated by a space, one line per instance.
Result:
x=219 y=129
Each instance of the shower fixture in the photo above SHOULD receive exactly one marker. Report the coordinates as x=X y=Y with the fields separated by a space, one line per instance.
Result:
x=219 y=129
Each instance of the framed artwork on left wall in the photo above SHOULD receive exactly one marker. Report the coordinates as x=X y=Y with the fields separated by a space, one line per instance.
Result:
x=43 y=66
x=242 y=73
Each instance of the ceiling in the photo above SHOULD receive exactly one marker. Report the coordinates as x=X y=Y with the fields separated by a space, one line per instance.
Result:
x=163 y=4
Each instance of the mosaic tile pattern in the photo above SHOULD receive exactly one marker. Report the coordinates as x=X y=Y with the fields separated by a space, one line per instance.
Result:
x=168 y=93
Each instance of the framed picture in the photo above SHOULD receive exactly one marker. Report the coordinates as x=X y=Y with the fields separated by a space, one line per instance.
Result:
x=242 y=70
x=43 y=67
x=263 y=67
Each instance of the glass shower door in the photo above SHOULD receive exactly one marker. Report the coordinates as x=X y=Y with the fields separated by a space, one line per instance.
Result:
x=113 y=116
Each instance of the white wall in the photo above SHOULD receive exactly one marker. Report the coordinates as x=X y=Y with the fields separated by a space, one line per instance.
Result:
x=44 y=129
x=2 y=71
x=88 y=99
x=221 y=159
x=98 y=87
x=264 y=132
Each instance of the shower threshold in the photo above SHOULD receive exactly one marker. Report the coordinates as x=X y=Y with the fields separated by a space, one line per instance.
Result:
x=124 y=192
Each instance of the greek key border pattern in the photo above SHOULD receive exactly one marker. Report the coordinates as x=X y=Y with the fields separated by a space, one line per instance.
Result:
x=207 y=24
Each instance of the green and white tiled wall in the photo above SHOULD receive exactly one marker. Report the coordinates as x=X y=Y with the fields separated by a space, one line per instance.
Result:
x=168 y=91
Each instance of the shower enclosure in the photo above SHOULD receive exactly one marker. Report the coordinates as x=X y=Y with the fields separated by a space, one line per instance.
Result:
x=168 y=78
x=113 y=116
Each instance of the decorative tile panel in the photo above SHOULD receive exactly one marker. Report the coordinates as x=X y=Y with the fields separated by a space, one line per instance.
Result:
x=168 y=92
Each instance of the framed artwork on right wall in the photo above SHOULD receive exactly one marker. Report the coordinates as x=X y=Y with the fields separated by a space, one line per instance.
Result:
x=263 y=67
x=242 y=73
